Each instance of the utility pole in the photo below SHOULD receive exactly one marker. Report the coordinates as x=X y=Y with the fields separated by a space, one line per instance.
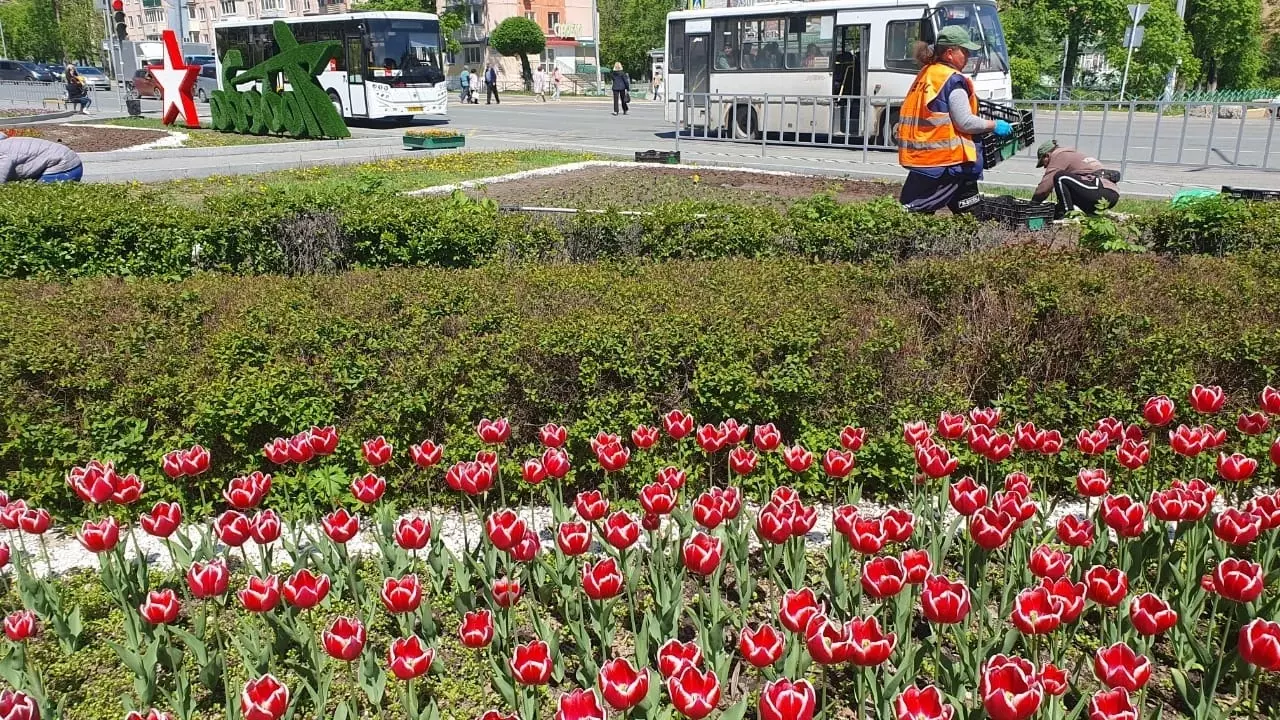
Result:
x=1171 y=79
x=1134 y=39
x=595 y=36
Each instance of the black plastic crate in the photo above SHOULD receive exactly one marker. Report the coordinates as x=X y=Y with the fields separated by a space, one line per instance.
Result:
x=665 y=157
x=1015 y=212
x=1250 y=193
x=998 y=149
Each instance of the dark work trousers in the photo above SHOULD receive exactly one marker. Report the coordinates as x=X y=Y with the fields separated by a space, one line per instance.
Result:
x=491 y=92
x=1084 y=192
x=921 y=193
x=622 y=97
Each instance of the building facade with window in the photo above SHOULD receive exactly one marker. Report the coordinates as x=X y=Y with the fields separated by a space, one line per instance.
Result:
x=566 y=23
x=193 y=20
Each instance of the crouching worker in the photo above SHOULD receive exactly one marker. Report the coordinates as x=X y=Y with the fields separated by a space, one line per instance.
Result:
x=24 y=158
x=938 y=121
x=1079 y=181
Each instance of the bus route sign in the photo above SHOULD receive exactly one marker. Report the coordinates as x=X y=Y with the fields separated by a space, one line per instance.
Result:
x=286 y=98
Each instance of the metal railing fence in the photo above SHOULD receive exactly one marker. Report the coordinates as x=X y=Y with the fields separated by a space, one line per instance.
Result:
x=32 y=94
x=1178 y=133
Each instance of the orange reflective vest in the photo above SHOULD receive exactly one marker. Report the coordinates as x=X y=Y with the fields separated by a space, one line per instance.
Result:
x=927 y=139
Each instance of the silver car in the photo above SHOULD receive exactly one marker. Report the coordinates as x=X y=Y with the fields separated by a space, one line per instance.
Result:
x=207 y=82
x=94 y=77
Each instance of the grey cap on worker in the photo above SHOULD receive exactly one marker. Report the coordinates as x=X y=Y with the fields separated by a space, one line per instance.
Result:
x=1042 y=152
x=956 y=36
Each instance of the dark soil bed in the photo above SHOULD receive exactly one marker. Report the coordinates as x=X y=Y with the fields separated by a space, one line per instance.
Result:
x=635 y=188
x=93 y=139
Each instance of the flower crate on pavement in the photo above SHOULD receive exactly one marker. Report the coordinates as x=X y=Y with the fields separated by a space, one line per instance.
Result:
x=433 y=139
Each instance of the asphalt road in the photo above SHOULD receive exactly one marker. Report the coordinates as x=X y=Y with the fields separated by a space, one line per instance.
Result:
x=588 y=125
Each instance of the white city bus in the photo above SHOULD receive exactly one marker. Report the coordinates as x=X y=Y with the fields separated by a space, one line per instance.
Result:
x=390 y=65
x=805 y=56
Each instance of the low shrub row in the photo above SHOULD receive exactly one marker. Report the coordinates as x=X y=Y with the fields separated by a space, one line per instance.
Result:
x=129 y=369
x=136 y=231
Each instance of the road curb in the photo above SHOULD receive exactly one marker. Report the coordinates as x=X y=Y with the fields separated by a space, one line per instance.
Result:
x=298 y=146
x=35 y=119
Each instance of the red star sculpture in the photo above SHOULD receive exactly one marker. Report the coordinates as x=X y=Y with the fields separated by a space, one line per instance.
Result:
x=176 y=79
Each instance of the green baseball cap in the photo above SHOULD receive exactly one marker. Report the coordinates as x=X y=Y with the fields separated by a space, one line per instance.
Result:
x=1042 y=152
x=956 y=36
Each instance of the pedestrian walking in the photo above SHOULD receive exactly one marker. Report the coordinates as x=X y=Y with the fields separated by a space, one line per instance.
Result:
x=77 y=91
x=540 y=83
x=464 y=82
x=556 y=78
x=657 y=85
x=621 y=89
x=1078 y=181
x=491 y=85
x=25 y=158
x=938 y=120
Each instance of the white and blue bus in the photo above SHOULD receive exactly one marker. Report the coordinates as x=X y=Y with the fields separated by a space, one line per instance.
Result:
x=806 y=55
x=391 y=64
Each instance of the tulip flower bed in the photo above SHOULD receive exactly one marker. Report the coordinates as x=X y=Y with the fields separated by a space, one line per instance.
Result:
x=967 y=598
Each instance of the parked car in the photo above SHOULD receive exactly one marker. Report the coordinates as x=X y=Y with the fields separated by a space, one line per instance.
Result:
x=17 y=71
x=199 y=60
x=94 y=77
x=144 y=84
x=207 y=82
x=57 y=72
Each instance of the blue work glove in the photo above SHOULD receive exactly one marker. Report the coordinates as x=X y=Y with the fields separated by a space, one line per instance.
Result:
x=1003 y=129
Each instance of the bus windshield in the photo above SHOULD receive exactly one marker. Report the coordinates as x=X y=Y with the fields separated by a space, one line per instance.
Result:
x=406 y=50
x=983 y=24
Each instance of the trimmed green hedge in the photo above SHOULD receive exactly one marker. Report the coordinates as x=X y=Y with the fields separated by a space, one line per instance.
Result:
x=128 y=369
x=132 y=230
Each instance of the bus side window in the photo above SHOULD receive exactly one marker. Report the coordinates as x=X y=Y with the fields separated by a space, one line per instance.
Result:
x=726 y=39
x=899 y=43
x=806 y=46
x=675 y=59
x=769 y=40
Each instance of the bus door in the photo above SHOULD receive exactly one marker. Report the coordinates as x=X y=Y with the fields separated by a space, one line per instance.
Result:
x=354 y=46
x=697 y=71
x=848 y=78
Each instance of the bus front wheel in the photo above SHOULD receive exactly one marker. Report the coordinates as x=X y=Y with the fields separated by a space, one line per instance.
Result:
x=742 y=122
x=889 y=129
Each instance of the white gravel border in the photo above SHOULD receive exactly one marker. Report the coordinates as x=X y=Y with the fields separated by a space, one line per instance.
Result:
x=66 y=554
x=582 y=165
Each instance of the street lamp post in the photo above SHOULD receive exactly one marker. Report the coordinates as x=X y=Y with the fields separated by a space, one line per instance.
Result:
x=595 y=35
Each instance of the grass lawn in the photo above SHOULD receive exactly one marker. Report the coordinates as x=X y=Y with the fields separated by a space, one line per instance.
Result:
x=413 y=171
x=197 y=137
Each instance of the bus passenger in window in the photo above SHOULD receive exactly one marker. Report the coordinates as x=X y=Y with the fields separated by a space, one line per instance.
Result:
x=728 y=59
x=748 y=56
x=811 y=55
x=771 y=57
x=937 y=123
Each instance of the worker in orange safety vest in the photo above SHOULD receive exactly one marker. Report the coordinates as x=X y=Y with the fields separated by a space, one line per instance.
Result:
x=938 y=120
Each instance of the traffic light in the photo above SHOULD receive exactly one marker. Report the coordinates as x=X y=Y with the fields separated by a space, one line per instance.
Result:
x=117 y=16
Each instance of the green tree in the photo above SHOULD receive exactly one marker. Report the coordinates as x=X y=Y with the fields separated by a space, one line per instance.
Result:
x=1227 y=41
x=80 y=31
x=521 y=37
x=450 y=20
x=629 y=29
x=1165 y=44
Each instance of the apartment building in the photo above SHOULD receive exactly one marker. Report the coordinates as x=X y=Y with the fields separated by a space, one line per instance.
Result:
x=193 y=20
x=566 y=23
